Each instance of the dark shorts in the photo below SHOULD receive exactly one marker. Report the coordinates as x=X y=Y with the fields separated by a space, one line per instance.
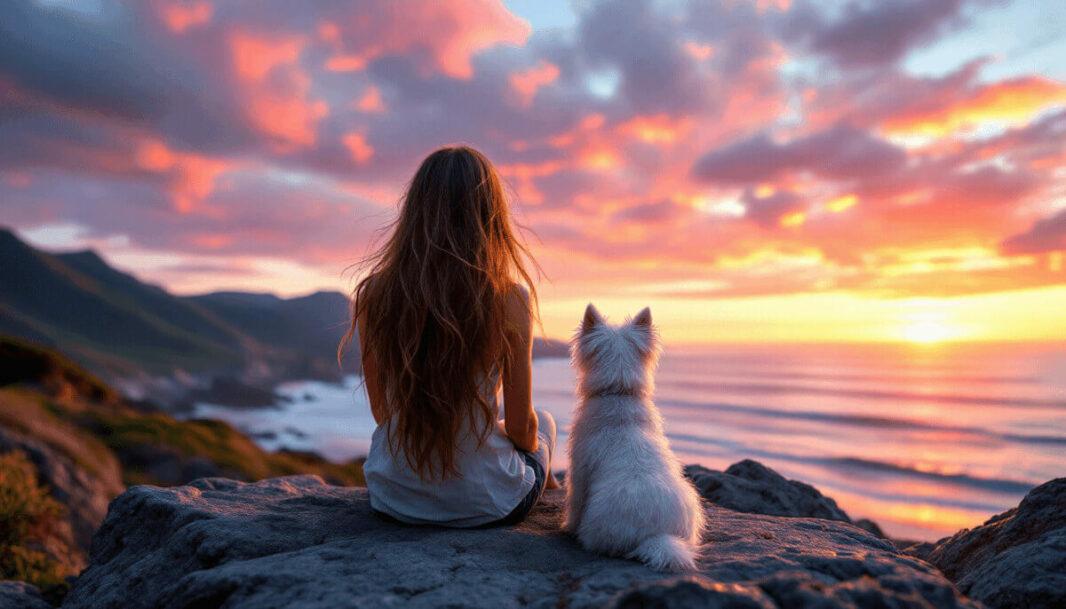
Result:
x=523 y=508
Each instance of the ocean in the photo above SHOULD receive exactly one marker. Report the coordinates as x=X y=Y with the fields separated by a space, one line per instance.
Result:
x=922 y=439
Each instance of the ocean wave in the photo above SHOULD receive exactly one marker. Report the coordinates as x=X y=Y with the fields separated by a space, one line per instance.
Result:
x=852 y=464
x=872 y=394
x=850 y=419
x=860 y=420
x=920 y=377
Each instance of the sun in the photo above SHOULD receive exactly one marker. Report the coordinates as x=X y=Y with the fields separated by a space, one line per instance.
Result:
x=927 y=332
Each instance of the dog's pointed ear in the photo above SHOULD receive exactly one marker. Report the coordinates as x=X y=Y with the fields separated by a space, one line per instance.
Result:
x=643 y=319
x=592 y=318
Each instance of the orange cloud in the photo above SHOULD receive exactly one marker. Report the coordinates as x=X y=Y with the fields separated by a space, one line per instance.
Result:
x=360 y=149
x=658 y=129
x=191 y=177
x=254 y=57
x=371 y=101
x=523 y=175
x=1013 y=101
x=277 y=88
x=589 y=123
x=442 y=36
x=842 y=203
x=602 y=159
x=698 y=51
x=794 y=219
x=180 y=16
x=765 y=5
x=527 y=82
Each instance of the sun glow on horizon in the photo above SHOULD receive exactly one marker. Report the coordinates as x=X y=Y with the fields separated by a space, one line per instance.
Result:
x=927 y=332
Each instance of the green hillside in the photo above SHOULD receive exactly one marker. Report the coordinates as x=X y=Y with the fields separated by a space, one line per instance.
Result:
x=105 y=319
x=120 y=327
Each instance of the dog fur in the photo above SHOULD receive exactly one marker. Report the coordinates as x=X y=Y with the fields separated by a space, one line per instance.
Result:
x=626 y=495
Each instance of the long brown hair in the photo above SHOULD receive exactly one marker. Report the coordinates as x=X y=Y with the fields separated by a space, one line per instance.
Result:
x=435 y=301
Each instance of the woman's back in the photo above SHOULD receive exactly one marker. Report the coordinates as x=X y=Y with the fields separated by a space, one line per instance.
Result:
x=444 y=321
x=492 y=477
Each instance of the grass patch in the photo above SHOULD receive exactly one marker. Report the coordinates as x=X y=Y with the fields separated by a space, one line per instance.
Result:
x=235 y=454
x=28 y=515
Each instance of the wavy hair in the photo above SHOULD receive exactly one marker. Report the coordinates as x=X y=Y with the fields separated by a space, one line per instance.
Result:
x=434 y=306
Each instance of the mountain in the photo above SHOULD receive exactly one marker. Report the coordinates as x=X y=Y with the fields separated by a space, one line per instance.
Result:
x=126 y=330
x=147 y=341
x=106 y=319
x=309 y=324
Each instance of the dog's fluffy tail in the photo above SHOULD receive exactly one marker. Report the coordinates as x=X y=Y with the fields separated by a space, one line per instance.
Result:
x=665 y=553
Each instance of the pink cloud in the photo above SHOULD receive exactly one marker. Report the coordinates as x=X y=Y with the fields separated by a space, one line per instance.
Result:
x=289 y=130
x=181 y=15
x=276 y=88
x=371 y=101
x=525 y=83
x=442 y=36
x=359 y=148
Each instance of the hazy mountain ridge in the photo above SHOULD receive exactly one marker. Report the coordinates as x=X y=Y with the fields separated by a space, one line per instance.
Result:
x=151 y=343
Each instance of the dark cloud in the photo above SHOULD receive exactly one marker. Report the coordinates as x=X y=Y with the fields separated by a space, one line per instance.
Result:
x=92 y=65
x=648 y=213
x=182 y=142
x=1046 y=235
x=768 y=211
x=638 y=40
x=841 y=152
x=872 y=33
x=116 y=68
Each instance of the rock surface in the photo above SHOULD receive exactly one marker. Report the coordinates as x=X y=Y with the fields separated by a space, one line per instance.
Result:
x=20 y=595
x=1016 y=559
x=84 y=492
x=296 y=541
x=751 y=487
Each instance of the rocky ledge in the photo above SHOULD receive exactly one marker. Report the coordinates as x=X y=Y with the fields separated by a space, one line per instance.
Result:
x=1014 y=560
x=299 y=542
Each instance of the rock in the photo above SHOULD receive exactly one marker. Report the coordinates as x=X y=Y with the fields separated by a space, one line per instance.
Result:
x=235 y=393
x=165 y=464
x=694 y=592
x=20 y=595
x=83 y=491
x=1016 y=559
x=871 y=526
x=298 y=542
x=751 y=487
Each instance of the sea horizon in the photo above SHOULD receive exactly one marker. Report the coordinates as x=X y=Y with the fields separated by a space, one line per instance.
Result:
x=922 y=439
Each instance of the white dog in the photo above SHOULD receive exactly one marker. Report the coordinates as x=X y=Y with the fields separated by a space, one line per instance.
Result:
x=626 y=495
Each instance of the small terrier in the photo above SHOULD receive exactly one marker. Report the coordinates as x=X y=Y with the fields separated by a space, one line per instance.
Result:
x=626 y=495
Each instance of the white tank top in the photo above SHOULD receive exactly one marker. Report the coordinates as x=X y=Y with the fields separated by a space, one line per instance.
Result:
x=494 y=478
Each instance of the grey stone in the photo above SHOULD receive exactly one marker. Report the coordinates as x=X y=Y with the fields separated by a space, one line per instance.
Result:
x=1015 y=559
x=298 y=542
x=751 y=487
x=20 y=595
x=84 y=493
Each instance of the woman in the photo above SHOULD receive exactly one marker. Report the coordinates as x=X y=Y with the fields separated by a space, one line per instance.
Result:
x=444 y=322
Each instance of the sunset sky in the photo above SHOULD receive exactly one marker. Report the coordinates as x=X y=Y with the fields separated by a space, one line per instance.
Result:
x=755 y=170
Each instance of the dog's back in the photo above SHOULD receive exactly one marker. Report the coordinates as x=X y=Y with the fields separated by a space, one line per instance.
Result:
x=626 y=494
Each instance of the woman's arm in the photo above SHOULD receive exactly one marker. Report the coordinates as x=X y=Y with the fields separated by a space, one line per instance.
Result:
x=520 y=420
x=370 y=376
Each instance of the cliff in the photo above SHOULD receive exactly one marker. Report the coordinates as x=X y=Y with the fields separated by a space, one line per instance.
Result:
x=299 y=542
